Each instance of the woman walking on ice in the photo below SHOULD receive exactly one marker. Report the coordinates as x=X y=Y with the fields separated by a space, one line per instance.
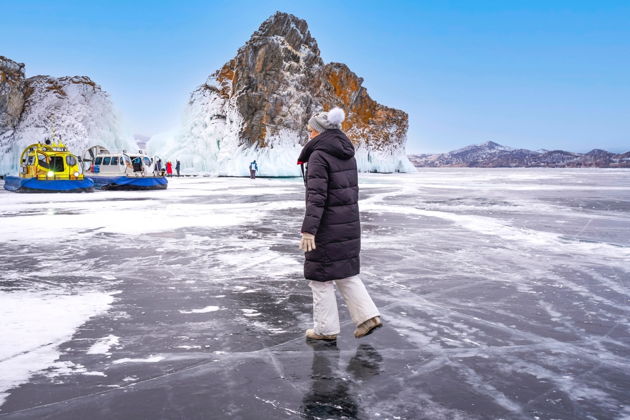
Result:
x=331 y=231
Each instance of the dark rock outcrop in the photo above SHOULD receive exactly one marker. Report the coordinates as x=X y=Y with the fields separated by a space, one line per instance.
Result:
x=280 y=68
x=12 y=89
x=258 y=104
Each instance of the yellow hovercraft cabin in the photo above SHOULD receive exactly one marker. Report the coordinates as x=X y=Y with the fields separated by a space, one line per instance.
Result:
x=48 y=167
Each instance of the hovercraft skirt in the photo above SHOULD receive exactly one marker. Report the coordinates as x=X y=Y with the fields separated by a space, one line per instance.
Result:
x=129 y=183
x=33 y=185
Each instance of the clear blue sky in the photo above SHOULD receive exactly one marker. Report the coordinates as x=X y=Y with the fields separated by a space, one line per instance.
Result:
x=535 y=74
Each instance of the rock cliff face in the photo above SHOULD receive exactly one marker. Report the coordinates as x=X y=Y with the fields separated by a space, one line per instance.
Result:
x=12 y=86
x=75 y=109
x=493 y=155
x=258 y=104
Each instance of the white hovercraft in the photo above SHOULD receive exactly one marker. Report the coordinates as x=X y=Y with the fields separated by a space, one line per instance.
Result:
x=122 y=171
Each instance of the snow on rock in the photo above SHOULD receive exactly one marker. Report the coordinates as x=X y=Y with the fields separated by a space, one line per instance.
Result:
x=257 y=106
x=74 y=109
x=31 y=337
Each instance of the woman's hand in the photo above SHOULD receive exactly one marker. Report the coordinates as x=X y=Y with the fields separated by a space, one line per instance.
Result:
x=307 y=243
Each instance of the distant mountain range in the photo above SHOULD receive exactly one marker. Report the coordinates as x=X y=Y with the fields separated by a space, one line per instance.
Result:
x=494 y=155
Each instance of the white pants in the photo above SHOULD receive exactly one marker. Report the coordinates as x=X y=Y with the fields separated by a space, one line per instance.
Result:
x=325 y=314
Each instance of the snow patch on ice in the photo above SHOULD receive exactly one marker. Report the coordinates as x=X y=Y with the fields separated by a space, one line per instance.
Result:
x=493 y=227
x=201 y=310
x=103 y=345
x=72 y=219
x=279 y=265
x=150 y=359
x=94 y=373
x=250 y=312
x=67 y=368
x=64 y=368
x=555 y=315
x=188 y=347
x=31 y=338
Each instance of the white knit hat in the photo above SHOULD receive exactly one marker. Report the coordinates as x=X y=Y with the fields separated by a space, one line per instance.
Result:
x=323 y=121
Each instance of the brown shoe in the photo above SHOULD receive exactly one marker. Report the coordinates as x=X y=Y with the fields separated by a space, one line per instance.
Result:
x=368 y=327
x=311 y=335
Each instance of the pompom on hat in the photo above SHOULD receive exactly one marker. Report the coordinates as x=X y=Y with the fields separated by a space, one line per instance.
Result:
x=323 y=121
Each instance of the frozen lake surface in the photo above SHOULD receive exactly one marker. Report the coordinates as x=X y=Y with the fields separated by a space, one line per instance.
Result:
x=504 y=295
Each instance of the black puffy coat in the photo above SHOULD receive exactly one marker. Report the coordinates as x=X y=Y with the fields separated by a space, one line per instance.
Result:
x=332 y=210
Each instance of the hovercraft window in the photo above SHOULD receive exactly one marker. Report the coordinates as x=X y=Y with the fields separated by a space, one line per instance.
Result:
x=56 y=164
x=41 y=160
x=137 y=164
x=147 y=161
x=106 y=160
x=71 y=160
x=114 y=160
x=98 y=160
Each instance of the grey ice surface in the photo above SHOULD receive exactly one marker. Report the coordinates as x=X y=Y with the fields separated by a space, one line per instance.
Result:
x=504 y=295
